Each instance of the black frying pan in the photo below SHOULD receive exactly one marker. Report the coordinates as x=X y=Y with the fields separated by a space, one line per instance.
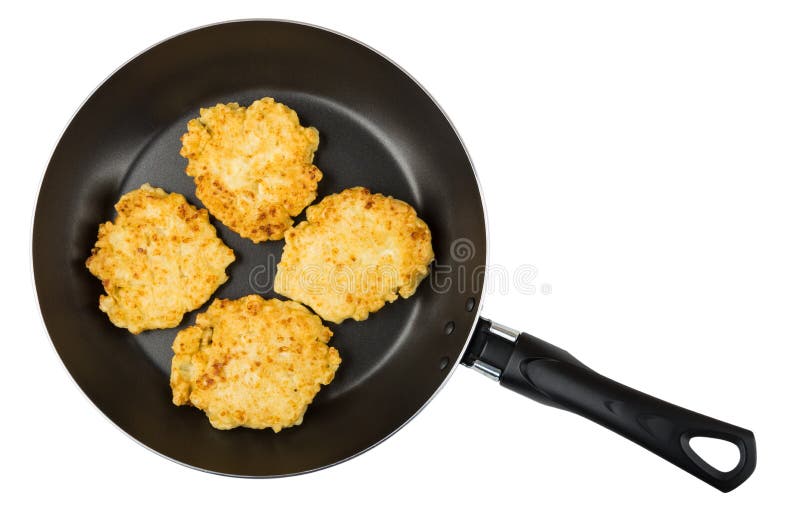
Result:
x=379 y=129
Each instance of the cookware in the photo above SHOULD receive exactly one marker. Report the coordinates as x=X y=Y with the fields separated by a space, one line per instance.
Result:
x=379 y=129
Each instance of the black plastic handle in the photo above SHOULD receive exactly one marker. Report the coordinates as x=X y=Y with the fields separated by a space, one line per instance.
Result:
x=552 y=376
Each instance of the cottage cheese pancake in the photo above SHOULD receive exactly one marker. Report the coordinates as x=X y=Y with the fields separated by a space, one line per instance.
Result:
x=356 y=251
x=252 y=362
x=159 y=259
x=252 y=166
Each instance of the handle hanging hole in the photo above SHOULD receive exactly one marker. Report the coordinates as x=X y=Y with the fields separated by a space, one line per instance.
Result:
x=720 y=454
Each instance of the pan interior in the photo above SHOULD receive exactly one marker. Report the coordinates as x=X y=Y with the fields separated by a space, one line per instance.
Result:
x=364 y=344
x=378 y=129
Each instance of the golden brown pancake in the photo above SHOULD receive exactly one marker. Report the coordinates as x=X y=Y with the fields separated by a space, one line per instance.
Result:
x=253 y=363
x=252 y=166
x=356 y=251
x=159 y=259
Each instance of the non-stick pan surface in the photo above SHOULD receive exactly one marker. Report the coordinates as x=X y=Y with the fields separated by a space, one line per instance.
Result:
x=378 y=129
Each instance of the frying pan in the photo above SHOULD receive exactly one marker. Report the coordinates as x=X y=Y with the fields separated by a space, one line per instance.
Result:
x=379 y=129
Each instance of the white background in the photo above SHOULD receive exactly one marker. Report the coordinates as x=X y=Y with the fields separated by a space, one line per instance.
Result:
x=642 y=155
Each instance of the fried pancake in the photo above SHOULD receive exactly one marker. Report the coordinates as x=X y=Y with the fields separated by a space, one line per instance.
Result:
x=355 y=252
x=159 y=259
x=252 y=363
x=252 y=166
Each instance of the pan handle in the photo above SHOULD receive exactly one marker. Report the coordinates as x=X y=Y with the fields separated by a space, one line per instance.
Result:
x=551 y=376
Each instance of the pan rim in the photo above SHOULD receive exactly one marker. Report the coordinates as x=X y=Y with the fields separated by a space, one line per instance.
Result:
x=476 y=311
